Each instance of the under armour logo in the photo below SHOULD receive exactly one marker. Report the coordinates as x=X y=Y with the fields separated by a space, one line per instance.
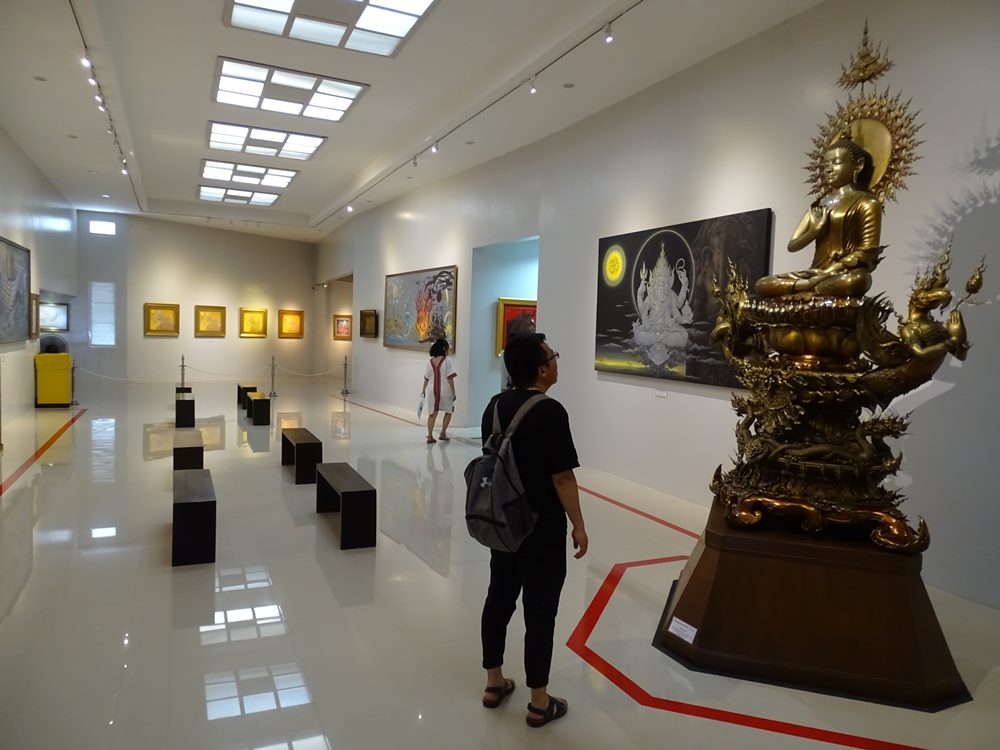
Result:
x=485 y=483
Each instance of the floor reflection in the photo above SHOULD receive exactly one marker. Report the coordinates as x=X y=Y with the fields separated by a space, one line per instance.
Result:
x=416 y=507
x=340 y=422
x=253 y=690
x=17 y=517
x=158 y=437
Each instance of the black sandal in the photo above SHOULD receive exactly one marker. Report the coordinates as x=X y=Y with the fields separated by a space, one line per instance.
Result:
x=556 y=710
x=501 y=693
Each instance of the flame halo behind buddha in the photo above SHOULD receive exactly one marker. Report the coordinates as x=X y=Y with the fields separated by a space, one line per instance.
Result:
x=815 y=353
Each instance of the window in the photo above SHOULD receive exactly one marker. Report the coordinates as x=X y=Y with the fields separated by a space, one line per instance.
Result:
x=102 y=227
x=102 y=313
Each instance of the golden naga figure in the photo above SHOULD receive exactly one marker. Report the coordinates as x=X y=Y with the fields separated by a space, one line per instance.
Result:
x=813 y=350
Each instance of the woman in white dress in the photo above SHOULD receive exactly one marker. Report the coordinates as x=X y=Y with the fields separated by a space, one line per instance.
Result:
x=440 y=373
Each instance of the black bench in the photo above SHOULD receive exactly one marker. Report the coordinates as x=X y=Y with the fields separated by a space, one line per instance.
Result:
x=194 y=517
x=242 y=389
x=302 y=448
x=183 y=410
x=340 y=488
x=258 y=408
x=189 y=449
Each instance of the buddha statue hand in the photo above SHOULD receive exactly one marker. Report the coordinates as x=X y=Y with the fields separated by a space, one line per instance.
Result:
x=957 y=335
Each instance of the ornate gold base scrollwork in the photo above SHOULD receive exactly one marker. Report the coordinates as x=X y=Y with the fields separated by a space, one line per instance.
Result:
x=890 y=532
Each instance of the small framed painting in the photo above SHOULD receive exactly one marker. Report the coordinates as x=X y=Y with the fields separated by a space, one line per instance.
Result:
x=514 y=317
x=368 y=324
x=290 y=324
x=53 y=316
x=33 y=314
x=161 y=319
x=341 y=327
x=209 y=321
x=253 y=322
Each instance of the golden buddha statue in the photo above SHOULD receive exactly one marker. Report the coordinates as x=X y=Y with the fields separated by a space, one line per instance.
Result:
x=846 y=225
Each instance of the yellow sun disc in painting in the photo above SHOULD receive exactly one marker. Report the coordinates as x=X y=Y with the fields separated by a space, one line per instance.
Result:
x=613 y=265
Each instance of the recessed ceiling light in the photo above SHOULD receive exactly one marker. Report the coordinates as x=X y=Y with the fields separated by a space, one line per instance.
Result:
x=415 y=7
x=256 y=19
x=105 y=195
x=42 y=79
x=283 y=6
x=368 y=41
x=321 y=32
x=246 y=174
x=294 y=80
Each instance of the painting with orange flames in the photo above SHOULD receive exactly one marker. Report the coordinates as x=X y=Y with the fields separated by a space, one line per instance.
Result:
x=420 y=308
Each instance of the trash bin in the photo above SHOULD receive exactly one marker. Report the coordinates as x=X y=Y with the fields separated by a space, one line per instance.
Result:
x=53 y=380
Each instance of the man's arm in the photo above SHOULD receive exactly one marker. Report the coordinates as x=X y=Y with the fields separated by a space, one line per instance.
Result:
x=569 y=496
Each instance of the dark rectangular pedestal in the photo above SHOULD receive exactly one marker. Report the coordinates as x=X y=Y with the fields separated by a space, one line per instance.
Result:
x=303 y=449
x=183 y=410
x=259 y=409
x=194 y=517
x=829 y=615
x=242 y=389
x=189 y=450
x=340 y=488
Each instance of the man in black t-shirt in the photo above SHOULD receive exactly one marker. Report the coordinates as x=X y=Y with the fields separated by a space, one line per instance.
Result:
x=545 y=456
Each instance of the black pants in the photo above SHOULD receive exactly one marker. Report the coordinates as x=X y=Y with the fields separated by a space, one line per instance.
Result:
x=539 y=569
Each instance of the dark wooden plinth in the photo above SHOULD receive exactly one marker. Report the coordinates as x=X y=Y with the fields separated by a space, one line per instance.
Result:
x=841 y=617
x=339 y=488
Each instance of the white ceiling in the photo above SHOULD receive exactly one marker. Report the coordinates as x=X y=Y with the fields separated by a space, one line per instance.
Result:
x=156 y=61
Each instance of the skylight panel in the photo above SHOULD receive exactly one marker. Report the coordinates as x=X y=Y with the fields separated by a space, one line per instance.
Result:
x=243 y=70
x=367 y=41
x=294 y=80
x=240 y=197
x=259 y=20
x=320 y=32
x=284 y=91
x=378 y=27
x=244 y=174
x=386 y=21
x=261 y=141
x=283 y=6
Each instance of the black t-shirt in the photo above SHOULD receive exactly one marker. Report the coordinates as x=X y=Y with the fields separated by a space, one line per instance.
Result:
x=543 y=446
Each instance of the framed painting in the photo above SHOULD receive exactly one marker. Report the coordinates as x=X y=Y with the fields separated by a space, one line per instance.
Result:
x=253 y=322
x=15 y=299
x=655 y=306
x=342 y=328
x=53 y=316
x=514 y=317
x=291 y=324
x=161 y=319
x=209 y=322
x=33 y=316
x=420 y=307
x=368 y=324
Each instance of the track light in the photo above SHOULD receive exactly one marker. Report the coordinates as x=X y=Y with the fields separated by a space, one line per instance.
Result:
x=532 y=88
x=97 y=98
x=92 y=81
x=609 y=35
x=434 y=148
x=350 y=209
x=124 y=171
x=100 y=108
x=414 y=161
x=85 y=62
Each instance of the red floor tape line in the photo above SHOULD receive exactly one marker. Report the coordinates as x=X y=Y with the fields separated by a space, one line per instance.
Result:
x=9 y=481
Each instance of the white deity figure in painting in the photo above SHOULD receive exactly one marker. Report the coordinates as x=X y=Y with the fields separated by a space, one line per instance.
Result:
x=663 y=312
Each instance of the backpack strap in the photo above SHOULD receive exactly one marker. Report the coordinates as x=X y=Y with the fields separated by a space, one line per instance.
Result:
x=521 y=413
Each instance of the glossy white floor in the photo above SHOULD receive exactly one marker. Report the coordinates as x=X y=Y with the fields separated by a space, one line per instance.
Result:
x=288 y=642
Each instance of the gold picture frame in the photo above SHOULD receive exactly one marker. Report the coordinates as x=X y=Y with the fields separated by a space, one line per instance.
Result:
x=161 y=319
x=368 y=324
x=253 y=322
x=514 y=317
x=209 y=321
x=291 y=324
x=342 y=327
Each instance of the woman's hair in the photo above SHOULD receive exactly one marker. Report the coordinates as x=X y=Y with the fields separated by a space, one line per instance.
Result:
x=522 y=358
x=439 y=348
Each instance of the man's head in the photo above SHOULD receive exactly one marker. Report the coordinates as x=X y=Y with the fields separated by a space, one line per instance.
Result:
x=531 y=362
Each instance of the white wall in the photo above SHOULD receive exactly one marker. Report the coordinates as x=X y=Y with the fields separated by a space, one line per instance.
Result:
x=35 y=215
x=508 y=269
x=167 y=262
x=725 y=136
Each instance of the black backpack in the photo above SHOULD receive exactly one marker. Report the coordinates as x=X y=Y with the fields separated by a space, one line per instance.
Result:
x=497 y=511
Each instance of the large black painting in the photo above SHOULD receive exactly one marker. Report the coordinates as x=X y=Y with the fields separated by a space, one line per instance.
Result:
x=655 y=307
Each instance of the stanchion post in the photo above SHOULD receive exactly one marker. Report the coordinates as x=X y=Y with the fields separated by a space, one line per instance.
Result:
x=344 y=390
x=72 y=386
x=272 y=394
x=182 y=371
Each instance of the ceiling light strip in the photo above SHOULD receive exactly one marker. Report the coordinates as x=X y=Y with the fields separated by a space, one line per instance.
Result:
x=436 y=143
